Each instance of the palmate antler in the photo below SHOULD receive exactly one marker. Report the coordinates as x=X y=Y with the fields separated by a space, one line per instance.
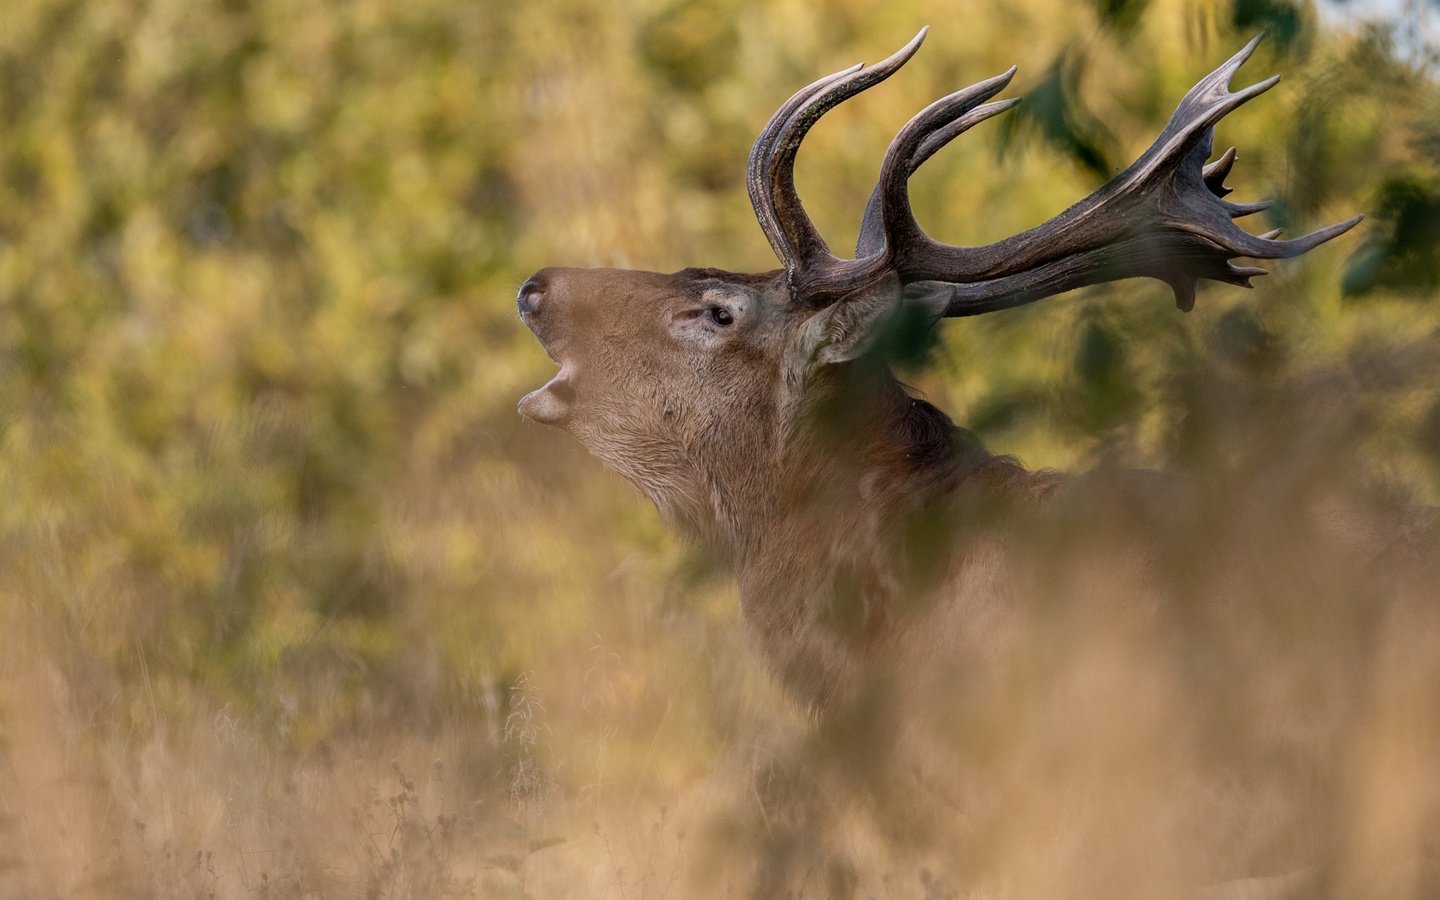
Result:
x=1163 y=217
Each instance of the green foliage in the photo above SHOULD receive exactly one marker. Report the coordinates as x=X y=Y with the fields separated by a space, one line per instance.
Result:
x=1120 y=15
x=1284 y=20
x=1055 y=109
x=1404 y=254
x=259 y=461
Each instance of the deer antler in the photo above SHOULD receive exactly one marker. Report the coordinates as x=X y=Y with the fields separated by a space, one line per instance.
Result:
x=770 y=176
x=1163 y=217
x=956 y=114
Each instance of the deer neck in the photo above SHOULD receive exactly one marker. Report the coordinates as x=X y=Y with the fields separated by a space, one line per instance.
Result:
x=822 y=559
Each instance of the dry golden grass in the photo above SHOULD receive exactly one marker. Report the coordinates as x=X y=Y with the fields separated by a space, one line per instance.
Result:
x=292 y=605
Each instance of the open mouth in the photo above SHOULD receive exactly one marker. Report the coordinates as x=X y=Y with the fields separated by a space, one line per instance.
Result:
x=551 y=403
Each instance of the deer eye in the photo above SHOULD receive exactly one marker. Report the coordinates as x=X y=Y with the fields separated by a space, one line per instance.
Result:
x=721 y=316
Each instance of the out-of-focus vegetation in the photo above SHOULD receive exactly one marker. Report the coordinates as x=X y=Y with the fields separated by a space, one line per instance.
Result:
x=295 y=605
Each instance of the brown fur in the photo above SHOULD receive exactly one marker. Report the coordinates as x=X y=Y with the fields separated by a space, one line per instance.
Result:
x=803 y=479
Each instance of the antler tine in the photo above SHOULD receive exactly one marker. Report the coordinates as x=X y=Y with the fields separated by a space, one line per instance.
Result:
x=1266 y=247
x=1241 y=210
x=1199 y=110
x=942 y=136
x=897 y=220
x=756 y=179
x=772 y=176
x=1216 y=172
x=965 y=110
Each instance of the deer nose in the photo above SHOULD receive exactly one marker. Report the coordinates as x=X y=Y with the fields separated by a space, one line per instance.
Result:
x=528 y=300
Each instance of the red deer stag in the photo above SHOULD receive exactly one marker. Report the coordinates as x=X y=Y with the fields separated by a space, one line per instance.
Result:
x=717 y=393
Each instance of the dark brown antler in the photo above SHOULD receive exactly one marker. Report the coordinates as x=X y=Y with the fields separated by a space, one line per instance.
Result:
x=1163 y=217
x=770 y=176
x=929 y=134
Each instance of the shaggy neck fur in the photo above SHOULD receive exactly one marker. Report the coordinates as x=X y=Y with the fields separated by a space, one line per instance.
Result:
x=836 y=527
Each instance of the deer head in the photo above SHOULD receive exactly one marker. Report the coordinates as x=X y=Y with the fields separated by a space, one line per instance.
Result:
x=699 y=385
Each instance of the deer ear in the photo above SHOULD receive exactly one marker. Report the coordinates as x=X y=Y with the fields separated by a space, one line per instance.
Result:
x=851 y=328
x=846 y=330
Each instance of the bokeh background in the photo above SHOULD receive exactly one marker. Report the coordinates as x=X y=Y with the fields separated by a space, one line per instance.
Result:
x=295 y=605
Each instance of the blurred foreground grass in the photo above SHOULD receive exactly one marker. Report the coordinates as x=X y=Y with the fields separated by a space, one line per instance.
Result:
x=294 y=605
